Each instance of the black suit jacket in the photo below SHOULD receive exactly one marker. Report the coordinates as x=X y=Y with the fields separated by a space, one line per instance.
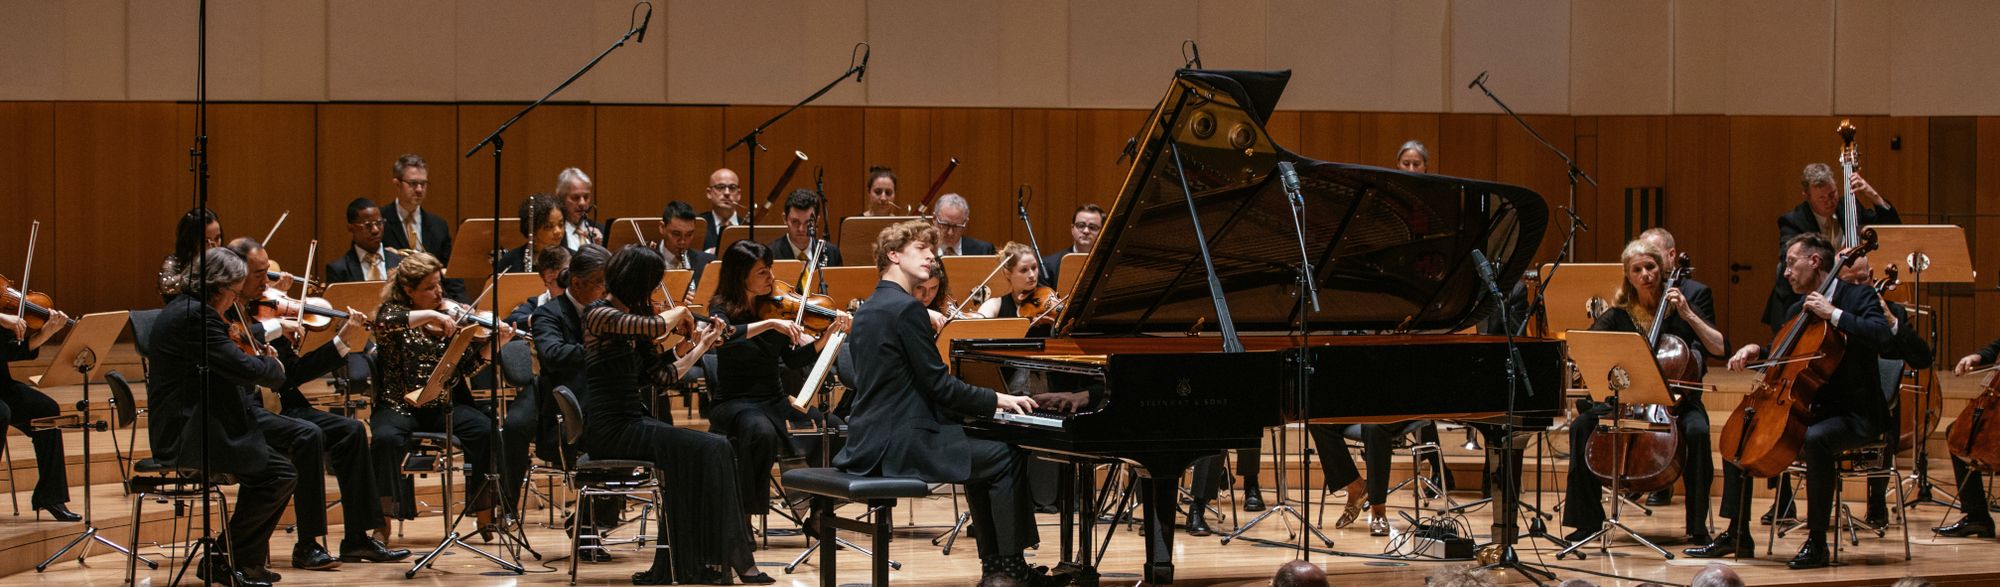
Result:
x=1799 y=221
x=175 y=392
x=697 y=262
x=1856 y=385
x=558 y=332
x=348 y=267
x=906 y=415
x=437 y=242
x=715 y=227
x=1052 y=265
x=972 y=246
x=300 y=369
x=782 y=249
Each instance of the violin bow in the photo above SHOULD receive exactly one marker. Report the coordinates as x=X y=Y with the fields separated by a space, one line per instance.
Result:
x=274 y=228
x=34 y=233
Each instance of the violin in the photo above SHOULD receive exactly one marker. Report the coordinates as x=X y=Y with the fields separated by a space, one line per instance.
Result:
x=786 y=303
x=239 y=333
x=1767 y=430
x=1041 y=304
x=1650 y=460
x=315 y=314
x=33 y=306
x=467 y=316
x=314 y=287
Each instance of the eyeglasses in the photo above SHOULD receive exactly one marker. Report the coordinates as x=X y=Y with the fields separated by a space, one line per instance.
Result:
x=368 y=224
x=725 y=187
x=416 y=184
x=1087 y=226
x=942 y=225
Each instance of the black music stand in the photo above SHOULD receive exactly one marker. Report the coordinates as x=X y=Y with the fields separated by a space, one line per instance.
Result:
x=440 y=378
x=77 y=362
x=1630 y=377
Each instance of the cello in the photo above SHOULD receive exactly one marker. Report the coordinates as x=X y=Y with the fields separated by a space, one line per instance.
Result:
x=1650 y=460
x=1973 y=437
x=1767 y=430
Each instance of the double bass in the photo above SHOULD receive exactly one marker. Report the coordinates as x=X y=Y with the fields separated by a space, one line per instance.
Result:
x=1767 y=430
x=1650 y=460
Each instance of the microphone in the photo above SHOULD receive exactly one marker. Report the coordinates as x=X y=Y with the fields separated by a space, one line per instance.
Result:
x=1486 y=274
x=1288 y=177
x=862 y=71
x=646 y=23
x=1476 y=81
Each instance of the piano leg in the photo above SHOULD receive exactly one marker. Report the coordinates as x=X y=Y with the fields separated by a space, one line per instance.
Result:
x=1162 y=494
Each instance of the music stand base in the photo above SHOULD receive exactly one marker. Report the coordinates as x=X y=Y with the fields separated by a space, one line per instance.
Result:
x=91 y=533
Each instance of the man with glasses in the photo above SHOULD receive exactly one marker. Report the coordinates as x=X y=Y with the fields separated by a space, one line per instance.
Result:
x=725 y=194
x=1084 y=226
x=676 y=240
x=409 y=226
x=953 y=213
x=367 y=260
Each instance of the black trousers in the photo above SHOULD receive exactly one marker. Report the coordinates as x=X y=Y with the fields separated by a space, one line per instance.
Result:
x=1971 y=492
x=345 y=444
x=1207 y=477
x=997 y=495
x=19 y=406
x=260 y=502
x=757 y=433
x=1584 y=508
x=1825 y=440
x=530 y=419
x=710 y=540
x=392 y=442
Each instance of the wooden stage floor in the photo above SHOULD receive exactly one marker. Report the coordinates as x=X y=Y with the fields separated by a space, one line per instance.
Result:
x=1200 y=561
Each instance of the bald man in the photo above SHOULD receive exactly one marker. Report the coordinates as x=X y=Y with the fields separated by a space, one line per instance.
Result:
x=725 y=198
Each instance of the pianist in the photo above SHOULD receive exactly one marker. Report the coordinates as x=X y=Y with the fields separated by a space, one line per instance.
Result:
x=905 y=418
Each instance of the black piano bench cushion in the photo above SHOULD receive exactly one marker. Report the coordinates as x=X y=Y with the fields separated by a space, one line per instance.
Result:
x=834 y=483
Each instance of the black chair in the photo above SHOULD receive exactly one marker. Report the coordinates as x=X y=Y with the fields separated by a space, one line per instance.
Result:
x=829 y=487
x=151 y=478
x=621 y=478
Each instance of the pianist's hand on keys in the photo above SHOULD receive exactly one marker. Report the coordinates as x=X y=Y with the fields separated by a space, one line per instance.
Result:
x=1015 y=403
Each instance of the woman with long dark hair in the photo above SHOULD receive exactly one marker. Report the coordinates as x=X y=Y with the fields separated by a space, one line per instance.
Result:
x=752 y=405
x=624 y=363
x=198 y=230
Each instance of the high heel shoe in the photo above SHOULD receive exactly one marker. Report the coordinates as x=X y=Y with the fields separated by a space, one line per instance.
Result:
x=59 y=513
x=1378 y=525
x=757 y=579
x=1355 y=499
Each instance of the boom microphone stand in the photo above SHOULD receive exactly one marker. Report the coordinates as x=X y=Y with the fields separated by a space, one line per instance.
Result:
x=1574 y=171
x=751 y=139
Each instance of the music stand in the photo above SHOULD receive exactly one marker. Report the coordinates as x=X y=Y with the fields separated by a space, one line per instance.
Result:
x=966 y=271
x=80 y=361
x=731 y=234
x=1574 y=302
x=845 y=284
x=514 y=289
x=705 y=289
x=441 y=377
x=676 y=282
x=1072 y=270
x=1924 y=253
x=365 y=296
x=857 y=233
x=467 y=258
x=1618 y=368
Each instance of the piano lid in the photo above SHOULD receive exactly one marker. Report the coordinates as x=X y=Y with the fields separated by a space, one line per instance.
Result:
x=1391 y=249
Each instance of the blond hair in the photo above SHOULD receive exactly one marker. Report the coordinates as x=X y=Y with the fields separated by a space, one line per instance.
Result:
x=896 y=236
x=408 y=275
x=1627 y=295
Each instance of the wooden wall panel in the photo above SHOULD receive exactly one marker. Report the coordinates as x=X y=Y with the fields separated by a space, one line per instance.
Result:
x=121 y=182
x=647 y=156
x=900 y=139
x=1044 y=154
x=537 y=148
x=1901 y=174
x=27 y=177
x=1698 y=199
x=982 y=140
x=1629 y=152
x=1368 y=138
x=1985 y=235
x=827 y=135
x=1101 y=136
x=262 y=166
x=357 y=147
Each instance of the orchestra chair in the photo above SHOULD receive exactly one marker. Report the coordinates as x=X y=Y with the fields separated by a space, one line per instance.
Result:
x=151 y=478
x=589 y=478
x=1863 y=462
x=828 y=487
x=142 y=329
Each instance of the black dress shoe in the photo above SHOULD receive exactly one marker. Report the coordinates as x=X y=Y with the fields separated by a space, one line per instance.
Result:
x=1725 y=544
x=591 y=550
x=1197 y=525
x=216 y=570
x=1577 y=535
x=261 y=573
x=1253 y=500
x=1878 y=519
x=59 y=513
x=1790 y=515
x=1966 y=528
x=370 y=550
x=1659 y=498
x=1811 y=556
x=313 y=557
x=757 y=579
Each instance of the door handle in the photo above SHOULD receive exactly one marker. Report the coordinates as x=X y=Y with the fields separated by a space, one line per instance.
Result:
x=1734 y=269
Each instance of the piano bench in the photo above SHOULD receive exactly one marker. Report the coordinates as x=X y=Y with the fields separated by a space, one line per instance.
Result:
x=828 y=487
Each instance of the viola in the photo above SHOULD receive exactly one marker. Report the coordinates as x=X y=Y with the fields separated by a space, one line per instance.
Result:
x=1767 y=430
x=33 y=306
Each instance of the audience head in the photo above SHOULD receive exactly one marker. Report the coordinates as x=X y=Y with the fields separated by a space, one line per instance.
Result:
x=1299 y=573
x=1459 y=576
x=1717 y=575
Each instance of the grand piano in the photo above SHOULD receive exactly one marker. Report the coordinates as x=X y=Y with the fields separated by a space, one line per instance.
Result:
x=1190 y=346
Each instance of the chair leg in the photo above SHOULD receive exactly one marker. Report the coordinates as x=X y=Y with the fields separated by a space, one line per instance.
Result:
x=666 y=540
x=576 y=535
x=132 y=559
x=822 y=510
x=1902 y=509
x=880 y=565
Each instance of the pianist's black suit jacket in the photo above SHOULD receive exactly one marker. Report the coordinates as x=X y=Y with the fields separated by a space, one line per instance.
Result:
x=175 y=391
x=348 y=267
x=1799 y=221
x=906 y=415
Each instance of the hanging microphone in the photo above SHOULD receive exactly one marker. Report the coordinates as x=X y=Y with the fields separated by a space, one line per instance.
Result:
x=646 y=23
x=1476 y=81
x=1288 y=177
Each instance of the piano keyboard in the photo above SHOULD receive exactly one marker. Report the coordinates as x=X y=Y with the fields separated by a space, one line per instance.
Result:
x=1037 y=419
